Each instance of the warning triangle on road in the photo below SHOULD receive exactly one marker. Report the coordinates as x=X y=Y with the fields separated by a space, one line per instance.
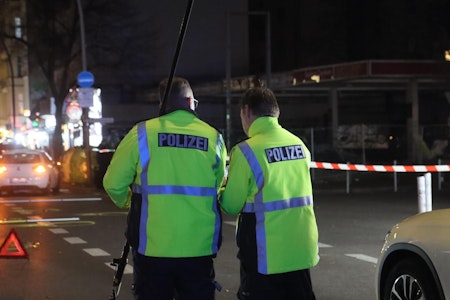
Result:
x=12 y=247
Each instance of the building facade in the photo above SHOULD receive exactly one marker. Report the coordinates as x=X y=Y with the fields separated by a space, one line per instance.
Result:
x=14 y=86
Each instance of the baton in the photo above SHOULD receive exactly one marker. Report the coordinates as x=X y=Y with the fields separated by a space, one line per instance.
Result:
x=177 y=54
x=120 y=264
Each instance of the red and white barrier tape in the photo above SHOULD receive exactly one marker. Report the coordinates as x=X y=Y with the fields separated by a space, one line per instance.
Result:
x=380 y=168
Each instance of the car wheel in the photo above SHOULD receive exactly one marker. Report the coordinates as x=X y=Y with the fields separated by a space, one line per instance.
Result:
x=410 y=280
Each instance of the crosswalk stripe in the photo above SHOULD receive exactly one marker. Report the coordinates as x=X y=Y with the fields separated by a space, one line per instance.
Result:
x=75 y=240
x=58 y=230
x=96 y=252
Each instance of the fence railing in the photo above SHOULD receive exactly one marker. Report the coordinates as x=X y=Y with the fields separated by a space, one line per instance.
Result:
x=375 y=144
x=395 y=169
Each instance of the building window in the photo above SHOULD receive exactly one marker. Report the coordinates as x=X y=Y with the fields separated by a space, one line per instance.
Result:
x=18 y=27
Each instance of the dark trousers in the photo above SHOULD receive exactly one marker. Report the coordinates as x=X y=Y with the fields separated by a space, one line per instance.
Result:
x=159 y=278
x=294 y=285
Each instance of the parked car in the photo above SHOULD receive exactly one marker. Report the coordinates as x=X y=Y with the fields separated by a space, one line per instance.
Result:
x=28 y=169
x=10 y=146
x=415 y=259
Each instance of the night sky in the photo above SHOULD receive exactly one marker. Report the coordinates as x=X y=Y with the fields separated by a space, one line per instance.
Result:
x=312 y=33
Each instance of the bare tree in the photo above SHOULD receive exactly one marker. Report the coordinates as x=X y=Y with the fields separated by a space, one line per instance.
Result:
x=52 y=38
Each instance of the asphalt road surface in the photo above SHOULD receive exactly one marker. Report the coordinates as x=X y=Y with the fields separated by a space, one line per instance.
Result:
x=71 y=238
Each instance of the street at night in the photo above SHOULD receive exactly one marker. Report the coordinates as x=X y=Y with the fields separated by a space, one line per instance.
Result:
x=72 y=237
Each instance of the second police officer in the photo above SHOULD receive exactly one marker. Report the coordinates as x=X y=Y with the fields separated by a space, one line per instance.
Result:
x=269 y=187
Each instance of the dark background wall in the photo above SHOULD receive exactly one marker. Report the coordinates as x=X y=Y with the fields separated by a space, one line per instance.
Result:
x=311 y=33
x=303 y=34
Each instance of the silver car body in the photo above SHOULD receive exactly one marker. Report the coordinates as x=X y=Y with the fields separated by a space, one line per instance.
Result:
x=427 y=237
x=25 y=169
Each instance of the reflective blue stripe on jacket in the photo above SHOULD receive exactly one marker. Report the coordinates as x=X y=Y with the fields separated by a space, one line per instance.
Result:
x=269 y=181
x=176 y=163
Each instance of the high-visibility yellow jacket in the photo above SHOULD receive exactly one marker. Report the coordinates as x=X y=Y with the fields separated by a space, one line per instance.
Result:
x=269 y=176
x=176 y=164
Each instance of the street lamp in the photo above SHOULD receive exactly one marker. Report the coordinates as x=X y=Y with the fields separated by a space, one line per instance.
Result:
x=268 y=57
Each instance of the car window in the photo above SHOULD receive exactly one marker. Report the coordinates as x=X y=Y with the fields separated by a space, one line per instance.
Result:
x=20 y=158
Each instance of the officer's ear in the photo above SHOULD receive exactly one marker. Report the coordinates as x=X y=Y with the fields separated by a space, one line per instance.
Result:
x=246 y=110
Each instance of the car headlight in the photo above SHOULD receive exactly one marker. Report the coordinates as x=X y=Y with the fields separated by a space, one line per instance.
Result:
x=39 y=169
x=2 y=170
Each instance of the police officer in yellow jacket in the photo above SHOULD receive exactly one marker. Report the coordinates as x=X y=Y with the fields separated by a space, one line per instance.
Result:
x=168 y=170
x=269 y=186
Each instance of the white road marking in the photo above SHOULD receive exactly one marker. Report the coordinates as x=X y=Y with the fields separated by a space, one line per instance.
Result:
x=232 y=223
x=322 y=245
x=58 y=230
x=80 y=199
x=75 y=240
x=51 y=200
x=363 y=257
x=96 y=252
x=128 y=268
x=53 y=219
x=38 y=220
x=22 y=211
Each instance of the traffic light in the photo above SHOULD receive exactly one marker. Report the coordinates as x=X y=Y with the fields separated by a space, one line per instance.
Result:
x=35 y=120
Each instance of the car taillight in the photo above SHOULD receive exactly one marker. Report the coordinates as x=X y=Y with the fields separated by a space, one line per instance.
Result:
x=39 y=169
x=2 y=169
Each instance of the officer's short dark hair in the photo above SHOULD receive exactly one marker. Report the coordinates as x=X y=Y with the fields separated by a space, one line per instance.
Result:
x=180 y=86
x=261 y=101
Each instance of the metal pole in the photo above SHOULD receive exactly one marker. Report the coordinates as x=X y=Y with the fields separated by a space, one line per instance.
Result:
x=228 y=63
x=348 y=180
x=421 y=194
x=440 y=179
x=83 y=40
x=363 y=143
x=268 y=51
x=85 y=114
x=395 y=178
x=424 y=193
x=268 y=45
x=176 y=55
x=228 y=82
x=429 y=193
